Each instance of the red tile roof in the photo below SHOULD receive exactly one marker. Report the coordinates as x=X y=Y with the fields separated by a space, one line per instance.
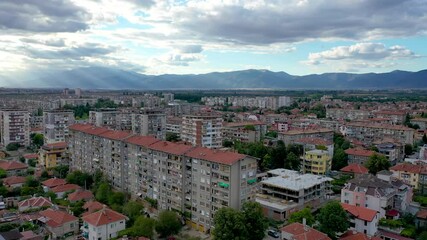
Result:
x=408 y=167
x=80 y=195
x=93 y=206
x=35 y=202
x=392 y=213
x=300 y=232
x=242 y=124
x=53 y=182
x=422 y=214
x=115 y=135
x=354 y=168
x=352 y=235
x=88 y=128
x=58 y=145
x=13 y=180
x=359 y=152
x=142 y=140
x=12 y=165
x=57 y=218
x=103 y=217
x=171 y=147
x=80 y=127
x=65 y=188
x=218 y=156
x=360 y=212
x=314 y=141
x=31 y=156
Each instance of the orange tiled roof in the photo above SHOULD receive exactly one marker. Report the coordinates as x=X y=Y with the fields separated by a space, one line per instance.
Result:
x=142 y=140
x=301 y=232
x=315 y=141
x=408 y=167
x=351 y=235
x=57 y=218
x=65 y=188
x=13 y=180
x=93 y=206
x=115 y=135
x=58 y=145
x=35 y=202
x=103 y=217
x=12 y=165
x=422 y=214
x=53 y=182
x=170 y=147
x=359 y=152
x=360 y=212
x=218 y=156
x=31 y=156
x=80 y=195
x=354 y=168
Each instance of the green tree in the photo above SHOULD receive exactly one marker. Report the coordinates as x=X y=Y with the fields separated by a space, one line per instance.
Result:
x=133 y=210
x=103 y=192
x=267 y=162
x=12 y=146
x=3 y=190
x=333 y=219
x=38 y=140
x=300 y=215
x=172 y=137
x=339 y=160
x=408 y=149
x=80 y=178
x=227 y=143
x=321 y=147
x=250 y=127
x=168 y=223
x=77 y=208
x=117 y=198
x=255 y=222
x=142 y=227
x=377 y=163
x=229 y=224
x=3 y=173
x=292 y=161
x=271 y=134
x=60 y=171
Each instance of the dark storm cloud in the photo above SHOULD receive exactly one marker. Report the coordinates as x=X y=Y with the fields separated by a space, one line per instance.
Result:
x=354 y=19
x=75 y=53
x=42 y=16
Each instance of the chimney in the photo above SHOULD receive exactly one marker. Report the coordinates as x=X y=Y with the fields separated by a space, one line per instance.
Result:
x=304 y=223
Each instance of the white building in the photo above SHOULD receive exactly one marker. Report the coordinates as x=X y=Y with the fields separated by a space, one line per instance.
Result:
x=284 y=101
x=55 y=125
x=362 y=219
x=14 y=127
x=202 y=130
x=104 y=224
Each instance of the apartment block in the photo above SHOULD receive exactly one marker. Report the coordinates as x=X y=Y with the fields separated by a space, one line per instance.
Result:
x=77 y=101
x=195 y=181
x=410 y=173
x=421 y=122
x=14 y=127
x=55 y=125
x=104 y=118
x=36 y=121
x=347 y=114
x=53 y=154
x=358 y=155
x=173 y=125
x=286 y=191
x=149 y=122
x=396 y=117
x=368 y=133
x=203 y=130
x=317 y=162
x=245 y=131
x=292 y=136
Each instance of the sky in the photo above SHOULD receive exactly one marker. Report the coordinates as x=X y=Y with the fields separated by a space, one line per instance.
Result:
x=299 y=37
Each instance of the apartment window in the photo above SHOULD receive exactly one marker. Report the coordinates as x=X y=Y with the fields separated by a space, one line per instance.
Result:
x=366 y=223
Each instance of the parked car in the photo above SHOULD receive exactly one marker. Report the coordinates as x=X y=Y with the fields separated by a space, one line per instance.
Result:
x=273 y=233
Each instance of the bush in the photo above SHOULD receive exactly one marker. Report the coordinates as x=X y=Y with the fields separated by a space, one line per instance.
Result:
x=12 y=147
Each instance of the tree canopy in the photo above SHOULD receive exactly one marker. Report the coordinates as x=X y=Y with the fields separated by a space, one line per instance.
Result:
x=333 y=219
x=300 y=215
x=377 y=163
x=168 y=223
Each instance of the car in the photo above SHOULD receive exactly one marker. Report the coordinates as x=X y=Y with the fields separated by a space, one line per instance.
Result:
x=273 y=233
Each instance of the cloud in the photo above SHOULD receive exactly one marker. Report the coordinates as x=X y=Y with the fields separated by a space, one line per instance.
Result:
x=42 y=16
x=46 y=42
x=190 y=49
x=363 y=51
x=76 y=52
x=177 y=59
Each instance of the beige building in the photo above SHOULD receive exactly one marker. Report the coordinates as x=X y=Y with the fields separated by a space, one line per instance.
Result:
x=245 y=131
x=292 y=136
x=195 y=181
x=202 y=130
x=14 y=127
x=368 y=133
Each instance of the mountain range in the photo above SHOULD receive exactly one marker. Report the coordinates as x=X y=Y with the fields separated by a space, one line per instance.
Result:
x=111 y=78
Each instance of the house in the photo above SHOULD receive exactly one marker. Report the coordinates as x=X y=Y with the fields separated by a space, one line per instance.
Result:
x=61 y=190
x=409 y=173
x=359 y=156
x=362 y=219
x=59 y=223
x=103 y=224
x=354 y=169
x=92 y=206
x=34 y=202
x=13 y=168
x=421 y=218
x=53 y=182
x=353 y=235
x=14 y=181
x=29 y=157
x=298 y=231
x=78 y=195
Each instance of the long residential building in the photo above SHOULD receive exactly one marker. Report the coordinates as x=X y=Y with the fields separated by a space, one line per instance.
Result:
x=14 y=127
x=203 y=130
x=195 y=181
x=292 y=136
x=368 y=133
x=55 y=125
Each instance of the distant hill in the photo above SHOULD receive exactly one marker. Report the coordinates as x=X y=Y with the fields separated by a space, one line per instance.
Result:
x=111 y=78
